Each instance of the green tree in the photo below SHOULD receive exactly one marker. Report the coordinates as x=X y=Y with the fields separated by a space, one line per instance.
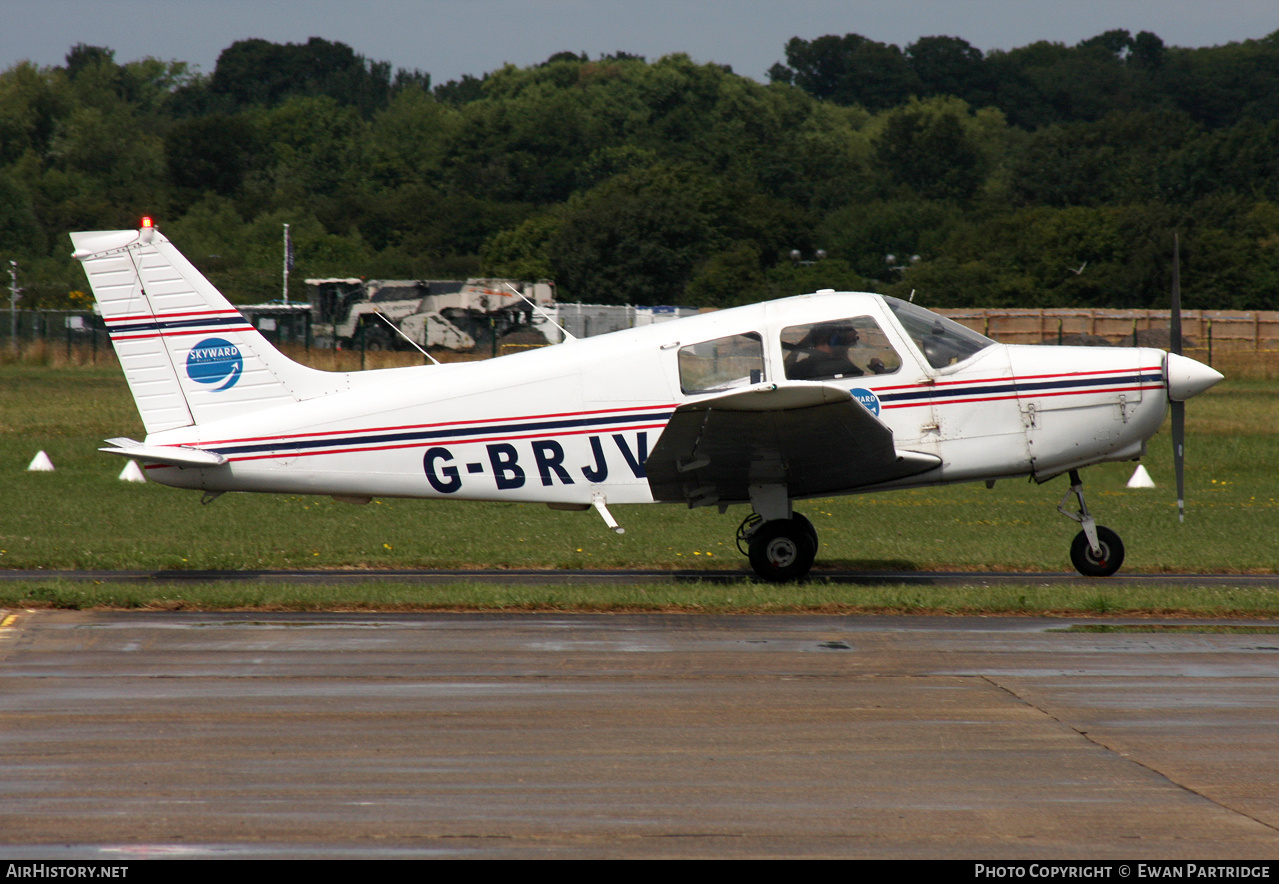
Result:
x=931 y=155
x=1241 y=159
x=637 y=238
x=85 y=58
x=211 y=153
x=522 y=252
x=1222 y=85
x=409 y=140
x=20 y=232
x=848 y=70
x=866 y=233
x=31 y=103
x=315 y=147
x=258 y=72
x=459 y=92
x=739 y=276
x=1122 y=158
x=951 y=66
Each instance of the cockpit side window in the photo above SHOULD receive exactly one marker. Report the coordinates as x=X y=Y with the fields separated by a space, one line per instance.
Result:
x=942 y=341
x=722 y=364
x=841 y=348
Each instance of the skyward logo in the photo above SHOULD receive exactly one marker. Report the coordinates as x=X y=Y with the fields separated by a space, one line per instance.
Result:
x=215 y=361
x=866 y=398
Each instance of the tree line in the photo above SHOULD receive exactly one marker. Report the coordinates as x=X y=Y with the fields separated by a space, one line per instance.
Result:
x=1047 y=175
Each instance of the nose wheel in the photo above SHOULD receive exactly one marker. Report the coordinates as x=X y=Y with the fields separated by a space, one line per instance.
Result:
x=780 y=550
x=1103 y=561
x=1096 y=551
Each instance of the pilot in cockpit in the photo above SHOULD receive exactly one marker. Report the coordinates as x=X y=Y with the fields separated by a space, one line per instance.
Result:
x=823 y=353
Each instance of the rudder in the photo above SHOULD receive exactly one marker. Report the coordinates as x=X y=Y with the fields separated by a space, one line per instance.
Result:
x=189 y=356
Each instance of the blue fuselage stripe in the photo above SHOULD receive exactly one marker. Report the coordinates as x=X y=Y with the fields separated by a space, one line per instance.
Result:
x=1083 y=385
x=426 y=436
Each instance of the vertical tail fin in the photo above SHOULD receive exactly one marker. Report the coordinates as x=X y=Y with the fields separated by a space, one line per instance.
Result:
x=189 y=356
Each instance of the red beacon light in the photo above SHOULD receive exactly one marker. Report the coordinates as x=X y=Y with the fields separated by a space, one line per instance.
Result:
x=146 y=231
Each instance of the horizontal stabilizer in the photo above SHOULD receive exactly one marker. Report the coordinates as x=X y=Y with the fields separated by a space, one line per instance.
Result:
x=173 y=455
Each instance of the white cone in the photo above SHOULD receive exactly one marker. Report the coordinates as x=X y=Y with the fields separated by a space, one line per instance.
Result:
x=1141 y=478
x=132 y=473
x=41 y=464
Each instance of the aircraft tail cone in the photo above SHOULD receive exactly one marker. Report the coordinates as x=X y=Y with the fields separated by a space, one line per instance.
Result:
x=132 y=473
x=1141 y=478
x=41 y=464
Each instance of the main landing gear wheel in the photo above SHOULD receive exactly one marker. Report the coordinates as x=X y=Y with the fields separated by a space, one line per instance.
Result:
x=783 y=550
x=802 y=520
x=1091 y=565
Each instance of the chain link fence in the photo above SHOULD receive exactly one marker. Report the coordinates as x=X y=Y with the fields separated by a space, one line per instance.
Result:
x=80 y=337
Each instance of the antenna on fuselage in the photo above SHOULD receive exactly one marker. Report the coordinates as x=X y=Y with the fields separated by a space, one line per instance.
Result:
x=395 y=328
x=545 y=315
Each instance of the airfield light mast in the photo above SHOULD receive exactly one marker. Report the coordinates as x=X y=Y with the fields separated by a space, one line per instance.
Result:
x=288 y=261
x=15 y=295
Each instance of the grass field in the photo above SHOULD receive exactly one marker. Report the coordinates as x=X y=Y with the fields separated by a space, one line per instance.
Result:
x=82 y=517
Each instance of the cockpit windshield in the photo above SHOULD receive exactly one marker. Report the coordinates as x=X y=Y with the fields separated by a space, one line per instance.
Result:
x=942 y=341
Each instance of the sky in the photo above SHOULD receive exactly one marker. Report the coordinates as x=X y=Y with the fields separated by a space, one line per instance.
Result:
x=449 y=38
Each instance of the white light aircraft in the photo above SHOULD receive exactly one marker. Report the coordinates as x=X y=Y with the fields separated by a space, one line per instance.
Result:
x=804 y=397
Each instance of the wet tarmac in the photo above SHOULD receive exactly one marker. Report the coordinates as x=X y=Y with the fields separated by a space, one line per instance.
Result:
x=133 y=735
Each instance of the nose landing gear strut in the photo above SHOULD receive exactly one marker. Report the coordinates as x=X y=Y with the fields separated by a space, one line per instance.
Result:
x=1096 y=551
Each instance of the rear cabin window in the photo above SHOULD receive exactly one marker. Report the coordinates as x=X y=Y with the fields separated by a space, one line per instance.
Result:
x=722 y=364
x=836 y=349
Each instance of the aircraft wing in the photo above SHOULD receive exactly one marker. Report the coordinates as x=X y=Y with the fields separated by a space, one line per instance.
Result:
x=814 y=438
x=173 y=455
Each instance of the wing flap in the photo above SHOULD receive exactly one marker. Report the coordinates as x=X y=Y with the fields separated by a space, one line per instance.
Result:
x=813 y=438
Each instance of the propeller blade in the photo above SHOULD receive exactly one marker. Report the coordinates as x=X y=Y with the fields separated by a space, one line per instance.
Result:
x=1178 y=408
x=1174 y=327
x=1179 y=455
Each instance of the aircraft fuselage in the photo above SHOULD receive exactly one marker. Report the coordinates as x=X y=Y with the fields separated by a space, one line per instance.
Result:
x=562 y=423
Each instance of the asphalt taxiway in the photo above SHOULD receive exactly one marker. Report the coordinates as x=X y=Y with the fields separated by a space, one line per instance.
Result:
x=129 y=735
x=636 y=575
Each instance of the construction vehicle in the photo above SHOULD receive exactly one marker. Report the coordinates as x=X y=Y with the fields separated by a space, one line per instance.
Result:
x=354 y=313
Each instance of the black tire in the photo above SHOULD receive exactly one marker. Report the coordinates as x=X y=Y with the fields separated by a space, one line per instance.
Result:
x=783 y=550
x=1112 y=553
x=802 y=520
